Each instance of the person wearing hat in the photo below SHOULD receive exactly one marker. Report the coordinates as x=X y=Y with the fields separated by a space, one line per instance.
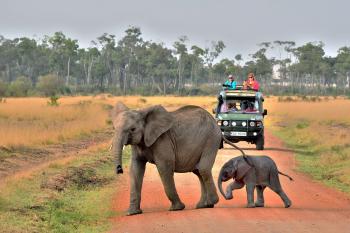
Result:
x=230 y=83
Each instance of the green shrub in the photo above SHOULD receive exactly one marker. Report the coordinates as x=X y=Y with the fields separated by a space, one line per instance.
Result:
x=20 y=86
x=53 y=101
x=50 y=85
x=3 y=88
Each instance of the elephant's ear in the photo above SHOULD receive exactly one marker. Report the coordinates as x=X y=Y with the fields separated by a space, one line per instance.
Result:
x=242 y=167
x=157 y=122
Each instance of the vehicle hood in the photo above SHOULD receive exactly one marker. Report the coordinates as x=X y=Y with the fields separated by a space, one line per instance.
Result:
x=240 y=116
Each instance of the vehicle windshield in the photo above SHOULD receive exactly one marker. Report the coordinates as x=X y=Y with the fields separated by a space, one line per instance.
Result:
x=240 y=106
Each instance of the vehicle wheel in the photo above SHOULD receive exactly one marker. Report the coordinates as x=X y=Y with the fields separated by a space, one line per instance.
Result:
x=259 y=143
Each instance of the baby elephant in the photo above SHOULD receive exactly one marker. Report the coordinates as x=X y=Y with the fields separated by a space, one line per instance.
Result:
x=252 y=171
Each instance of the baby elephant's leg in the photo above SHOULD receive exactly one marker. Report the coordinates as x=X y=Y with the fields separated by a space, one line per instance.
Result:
x=260 y=196
x=231 y=187
x=250 y=195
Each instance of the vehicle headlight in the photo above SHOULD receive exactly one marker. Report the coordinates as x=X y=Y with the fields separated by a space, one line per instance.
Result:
x=258 y=123
x=244 y=123
x=225 y=123
x=252 y=124
x=233 y=123
x=219 y=123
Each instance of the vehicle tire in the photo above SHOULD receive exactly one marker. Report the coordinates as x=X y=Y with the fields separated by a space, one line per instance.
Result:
x=259 y=143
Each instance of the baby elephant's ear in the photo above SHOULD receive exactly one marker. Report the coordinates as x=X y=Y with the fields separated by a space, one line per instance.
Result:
x=242 y=168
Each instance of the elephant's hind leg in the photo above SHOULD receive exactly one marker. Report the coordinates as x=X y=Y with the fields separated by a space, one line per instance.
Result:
x=275 y=185
x=202 y=201
x=204 y=168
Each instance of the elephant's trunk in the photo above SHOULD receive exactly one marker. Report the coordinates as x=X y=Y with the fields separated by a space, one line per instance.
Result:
x=220 y=183
x=117 y=149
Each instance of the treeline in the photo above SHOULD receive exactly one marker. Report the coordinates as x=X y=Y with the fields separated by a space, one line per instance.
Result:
x=56 y=65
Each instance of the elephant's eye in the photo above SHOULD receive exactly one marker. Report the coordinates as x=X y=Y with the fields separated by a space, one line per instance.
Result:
x=132 y=129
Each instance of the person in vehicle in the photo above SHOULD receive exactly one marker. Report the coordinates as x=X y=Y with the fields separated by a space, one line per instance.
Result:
x=223 y=107
x=250 y=107
x=230 y=83
x=232 y=107
x=251 y=83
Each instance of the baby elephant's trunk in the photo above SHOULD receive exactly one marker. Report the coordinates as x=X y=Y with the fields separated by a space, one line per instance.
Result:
x=220 y=184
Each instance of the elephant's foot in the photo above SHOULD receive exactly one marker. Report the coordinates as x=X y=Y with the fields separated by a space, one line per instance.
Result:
x=134 y=212
x=251 y=205
x=259 y=204
x=228 y=196
x=288 y=204
x=202 y=205
x=177 y=206
x=213 y=199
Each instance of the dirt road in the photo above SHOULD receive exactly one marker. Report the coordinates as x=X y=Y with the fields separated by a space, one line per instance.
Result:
x=315 y=208
x=25 y=160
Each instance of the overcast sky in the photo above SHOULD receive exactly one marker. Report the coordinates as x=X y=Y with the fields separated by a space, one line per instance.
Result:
x=240 y=24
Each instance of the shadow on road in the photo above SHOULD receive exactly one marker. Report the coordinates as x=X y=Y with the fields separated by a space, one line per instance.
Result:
x=269 y=149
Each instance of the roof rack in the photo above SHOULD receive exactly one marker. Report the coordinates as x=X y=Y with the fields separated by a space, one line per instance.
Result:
x=239 y=87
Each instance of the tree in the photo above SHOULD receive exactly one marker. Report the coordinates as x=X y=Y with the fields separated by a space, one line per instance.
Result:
x=210 y=54
x=128 y=57
x=50 y=85
x=63 y=54
x=181 y=51
x=20 y=86
x=196 y=63
x=238 y=58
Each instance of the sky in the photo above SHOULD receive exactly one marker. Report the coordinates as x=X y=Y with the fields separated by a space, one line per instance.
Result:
x=240 y=24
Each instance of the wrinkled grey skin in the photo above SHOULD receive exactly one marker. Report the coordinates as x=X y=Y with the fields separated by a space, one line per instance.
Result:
x=186 y=140
x=263 y=173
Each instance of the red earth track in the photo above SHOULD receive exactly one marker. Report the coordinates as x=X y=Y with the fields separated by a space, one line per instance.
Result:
x=315 y=208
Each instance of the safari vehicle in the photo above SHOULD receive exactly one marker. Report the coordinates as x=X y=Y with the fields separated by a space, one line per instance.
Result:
x=240 y=114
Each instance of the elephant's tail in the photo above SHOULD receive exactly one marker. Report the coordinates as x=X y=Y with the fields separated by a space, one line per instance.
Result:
x=290 y=178
x=245 y=157
x=233 y=145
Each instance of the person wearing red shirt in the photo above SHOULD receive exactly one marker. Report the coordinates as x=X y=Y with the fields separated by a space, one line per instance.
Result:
x=252 y=83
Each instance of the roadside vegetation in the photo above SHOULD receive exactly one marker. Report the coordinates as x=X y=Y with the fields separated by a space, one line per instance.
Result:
x=318 y=130
x=64 y=197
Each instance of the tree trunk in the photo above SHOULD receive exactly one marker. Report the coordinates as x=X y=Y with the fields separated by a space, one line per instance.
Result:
x=164 y=85
x=68 y=72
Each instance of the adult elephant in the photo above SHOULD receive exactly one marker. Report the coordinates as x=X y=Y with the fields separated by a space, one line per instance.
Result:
x=186 y=140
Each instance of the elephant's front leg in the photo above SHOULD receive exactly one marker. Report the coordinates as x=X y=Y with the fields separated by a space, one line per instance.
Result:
x=250 y=194
x=260 y=196
x=234 y=185
x=137 y=171
x=166 y=172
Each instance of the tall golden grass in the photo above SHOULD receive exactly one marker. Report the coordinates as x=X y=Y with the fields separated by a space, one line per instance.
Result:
x=30 y=121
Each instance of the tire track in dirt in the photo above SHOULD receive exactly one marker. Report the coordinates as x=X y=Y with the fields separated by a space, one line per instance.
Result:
x=316 y=208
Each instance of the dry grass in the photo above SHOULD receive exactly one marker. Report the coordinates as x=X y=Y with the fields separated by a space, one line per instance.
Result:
x=320 y=132
x=30 y=121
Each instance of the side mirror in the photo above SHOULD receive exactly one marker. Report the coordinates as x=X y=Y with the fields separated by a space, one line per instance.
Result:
x=265 y=112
